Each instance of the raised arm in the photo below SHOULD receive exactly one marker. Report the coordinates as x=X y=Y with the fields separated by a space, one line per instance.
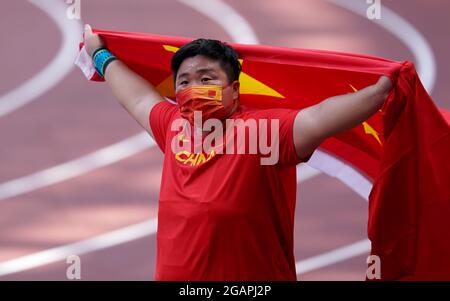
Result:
x=337 y=114
x=134 y=93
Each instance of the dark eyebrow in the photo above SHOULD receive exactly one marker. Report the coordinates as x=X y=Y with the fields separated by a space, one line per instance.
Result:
x=205 y=70
x=182 y=74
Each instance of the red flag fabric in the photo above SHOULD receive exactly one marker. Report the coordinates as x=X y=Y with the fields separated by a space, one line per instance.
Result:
x=410 y=200
x=402 y=148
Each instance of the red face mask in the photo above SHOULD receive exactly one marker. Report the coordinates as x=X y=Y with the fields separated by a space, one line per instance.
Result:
x=206 y=98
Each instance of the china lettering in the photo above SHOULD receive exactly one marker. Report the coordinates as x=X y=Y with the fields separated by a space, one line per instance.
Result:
x=193 y=159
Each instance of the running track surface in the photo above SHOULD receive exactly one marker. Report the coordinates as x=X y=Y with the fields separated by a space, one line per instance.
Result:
x=75 y=118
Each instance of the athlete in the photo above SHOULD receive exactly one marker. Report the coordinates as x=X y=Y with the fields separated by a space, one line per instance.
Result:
x=226 y=216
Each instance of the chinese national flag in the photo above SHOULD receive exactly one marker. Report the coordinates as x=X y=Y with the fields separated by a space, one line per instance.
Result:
x=403 y=149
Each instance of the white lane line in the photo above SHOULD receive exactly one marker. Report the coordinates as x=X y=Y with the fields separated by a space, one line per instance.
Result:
x=405 y=32
x=96 y=243
x=77 y=167
x=54 y=72
x=306 y=172
x=231 y=21
x=345 y=173
x=100 y=242
x=328 y=258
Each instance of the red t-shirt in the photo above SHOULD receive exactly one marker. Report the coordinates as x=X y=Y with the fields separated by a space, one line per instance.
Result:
x=225 y=216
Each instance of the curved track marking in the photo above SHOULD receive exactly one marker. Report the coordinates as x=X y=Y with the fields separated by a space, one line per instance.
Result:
x=96 y=243
x=328 y=258
x=405 y=32
x=230 y=20
x=71 y=169
x=54 y=72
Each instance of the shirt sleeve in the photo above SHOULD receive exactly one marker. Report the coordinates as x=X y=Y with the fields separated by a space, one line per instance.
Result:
x=287 y=154
x=160 y=117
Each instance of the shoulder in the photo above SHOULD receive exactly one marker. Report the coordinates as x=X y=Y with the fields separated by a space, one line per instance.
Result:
x=166 y=108
x=167 y=104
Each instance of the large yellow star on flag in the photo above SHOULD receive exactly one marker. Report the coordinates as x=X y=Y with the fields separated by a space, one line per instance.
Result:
x=369 y=130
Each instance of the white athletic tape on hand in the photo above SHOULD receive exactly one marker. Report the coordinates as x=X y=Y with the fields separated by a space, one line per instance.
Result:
x=84 y=62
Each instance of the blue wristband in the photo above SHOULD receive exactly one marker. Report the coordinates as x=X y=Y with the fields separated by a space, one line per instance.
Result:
x=102 y=58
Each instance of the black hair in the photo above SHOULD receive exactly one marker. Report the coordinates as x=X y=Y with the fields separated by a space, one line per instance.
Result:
x=212 y=49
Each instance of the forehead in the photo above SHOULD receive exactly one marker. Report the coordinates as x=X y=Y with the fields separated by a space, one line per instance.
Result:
x=198 y=63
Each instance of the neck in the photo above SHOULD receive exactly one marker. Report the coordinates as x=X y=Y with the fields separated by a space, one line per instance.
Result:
x=234 y=108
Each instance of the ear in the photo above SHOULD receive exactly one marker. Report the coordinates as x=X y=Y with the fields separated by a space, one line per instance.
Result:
x=235 y=86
